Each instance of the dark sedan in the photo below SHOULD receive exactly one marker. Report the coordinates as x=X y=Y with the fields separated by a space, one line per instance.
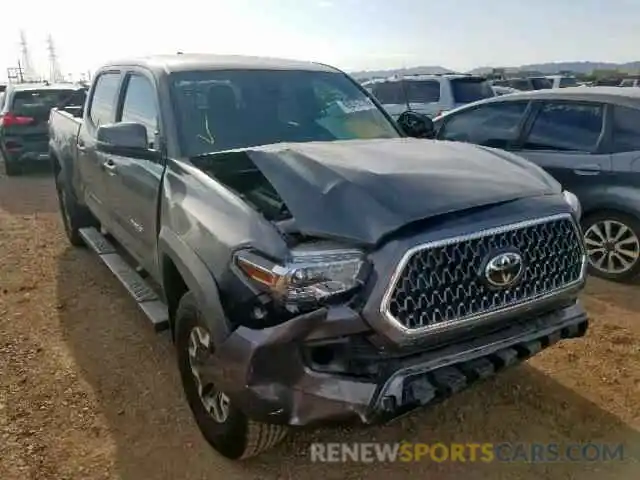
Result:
x=589 y=140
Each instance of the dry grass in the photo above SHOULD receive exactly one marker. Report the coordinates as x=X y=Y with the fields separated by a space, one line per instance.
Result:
x=87 y=390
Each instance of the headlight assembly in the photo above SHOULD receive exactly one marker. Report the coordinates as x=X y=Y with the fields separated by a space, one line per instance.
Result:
x=573 y=202
x=312 y=273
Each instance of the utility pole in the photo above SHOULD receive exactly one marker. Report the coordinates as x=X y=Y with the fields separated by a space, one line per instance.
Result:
x=26 y=69
x=54 y=68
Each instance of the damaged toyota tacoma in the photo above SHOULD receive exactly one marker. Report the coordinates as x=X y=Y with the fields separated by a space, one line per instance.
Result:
x=313 y=260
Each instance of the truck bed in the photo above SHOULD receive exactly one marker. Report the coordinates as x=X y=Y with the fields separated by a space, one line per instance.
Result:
x=64 y=128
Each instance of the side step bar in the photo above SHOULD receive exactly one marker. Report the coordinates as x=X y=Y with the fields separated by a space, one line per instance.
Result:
x=148 y=301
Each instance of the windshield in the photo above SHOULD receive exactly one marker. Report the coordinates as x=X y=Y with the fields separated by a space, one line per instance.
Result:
x=226 y=109
x=33 y=102
x=467 y=90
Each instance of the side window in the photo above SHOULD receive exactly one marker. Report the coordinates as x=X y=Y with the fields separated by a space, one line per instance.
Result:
x=626 y=130
x=566 y=126
x=103 y=102
x=140 y=105
x=492 y=125
x=389 y=93
x=627 y=83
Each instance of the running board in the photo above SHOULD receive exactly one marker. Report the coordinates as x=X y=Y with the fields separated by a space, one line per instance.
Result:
x=146 y=298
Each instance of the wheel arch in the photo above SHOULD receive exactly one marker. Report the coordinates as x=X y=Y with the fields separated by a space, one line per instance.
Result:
x=181 y=271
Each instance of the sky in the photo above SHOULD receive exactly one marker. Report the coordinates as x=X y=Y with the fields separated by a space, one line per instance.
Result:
x=350 y=34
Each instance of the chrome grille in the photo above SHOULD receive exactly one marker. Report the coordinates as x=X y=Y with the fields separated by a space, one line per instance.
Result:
x=441 y=284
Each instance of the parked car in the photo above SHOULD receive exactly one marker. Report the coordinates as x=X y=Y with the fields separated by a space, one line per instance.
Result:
x=498 y=90
x=312 y=263
x=525 y=84
x=630 y=82
x=562 y=81
x=430 y=95
x=589 y=140
x=23 y=123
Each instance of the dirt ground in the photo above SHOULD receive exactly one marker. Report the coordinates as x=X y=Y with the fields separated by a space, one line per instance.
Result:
x=88 y=391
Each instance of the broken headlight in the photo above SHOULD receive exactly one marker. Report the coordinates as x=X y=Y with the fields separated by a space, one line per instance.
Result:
x=311 y=274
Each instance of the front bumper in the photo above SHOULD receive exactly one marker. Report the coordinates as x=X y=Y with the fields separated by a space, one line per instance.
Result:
x=267 y=376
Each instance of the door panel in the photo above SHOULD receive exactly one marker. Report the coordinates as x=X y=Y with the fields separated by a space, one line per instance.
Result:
x=135 y=184
x=91 y=162
x=576 y=171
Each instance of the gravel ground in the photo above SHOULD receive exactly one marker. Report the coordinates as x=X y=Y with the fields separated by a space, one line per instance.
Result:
x=88 y=391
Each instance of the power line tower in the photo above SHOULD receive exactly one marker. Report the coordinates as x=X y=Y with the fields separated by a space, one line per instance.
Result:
x=28 y=74
x=54 y=67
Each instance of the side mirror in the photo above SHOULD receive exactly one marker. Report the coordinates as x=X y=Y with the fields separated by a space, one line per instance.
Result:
x=126 y=139
x=415 y=124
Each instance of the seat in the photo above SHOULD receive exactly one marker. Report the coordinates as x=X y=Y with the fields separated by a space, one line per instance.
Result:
x=223 y=121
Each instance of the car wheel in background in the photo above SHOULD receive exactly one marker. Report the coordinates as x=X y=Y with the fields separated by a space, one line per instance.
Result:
x=224 y=426
x=612 y=240
x=12 y=169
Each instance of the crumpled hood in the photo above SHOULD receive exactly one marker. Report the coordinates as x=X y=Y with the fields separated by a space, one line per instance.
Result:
x=361 y=190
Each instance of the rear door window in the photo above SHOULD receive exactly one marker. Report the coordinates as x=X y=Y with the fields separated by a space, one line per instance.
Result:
x=422 y=91
x=626 y=130
x=467 y=90
x=389 y=93
x=568 y=82
x=103 y=102
x=494 y=125
x=566 y=126
x=627 y=83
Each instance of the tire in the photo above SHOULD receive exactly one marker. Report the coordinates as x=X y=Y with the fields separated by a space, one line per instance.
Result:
x=235 y=436
x=619 y=249
x=12 y=169
x=74 y=216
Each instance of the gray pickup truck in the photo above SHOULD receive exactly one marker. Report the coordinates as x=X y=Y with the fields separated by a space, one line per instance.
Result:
x=313 y=260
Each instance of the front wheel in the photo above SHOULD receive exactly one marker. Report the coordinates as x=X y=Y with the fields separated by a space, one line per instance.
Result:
x=612 y=241
x=224 y=426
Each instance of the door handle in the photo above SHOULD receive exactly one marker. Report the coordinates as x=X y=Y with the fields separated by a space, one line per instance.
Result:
x=81 y=146
x=593 y=169
x=110 y=167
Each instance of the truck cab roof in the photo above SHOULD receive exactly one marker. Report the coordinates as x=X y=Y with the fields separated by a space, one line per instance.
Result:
x=181 y=62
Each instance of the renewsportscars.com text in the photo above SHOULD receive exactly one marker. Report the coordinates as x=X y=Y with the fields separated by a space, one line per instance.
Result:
x=466 y=452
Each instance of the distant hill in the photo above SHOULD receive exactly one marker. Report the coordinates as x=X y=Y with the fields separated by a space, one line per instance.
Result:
x=545 y=68
x=400 y=71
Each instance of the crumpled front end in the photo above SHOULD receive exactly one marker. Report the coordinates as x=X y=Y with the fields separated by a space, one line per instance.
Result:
x=286 y=375
x=428 y=319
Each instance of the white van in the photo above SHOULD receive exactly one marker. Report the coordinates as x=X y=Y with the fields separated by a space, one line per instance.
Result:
x=428 y=94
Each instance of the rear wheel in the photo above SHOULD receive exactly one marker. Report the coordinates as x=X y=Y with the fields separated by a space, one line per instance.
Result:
x=12 y=169
x=612 y=240
x=74 y=216
x=223 y=425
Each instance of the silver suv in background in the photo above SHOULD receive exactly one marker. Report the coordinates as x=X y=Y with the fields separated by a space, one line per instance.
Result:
x=430 y=95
